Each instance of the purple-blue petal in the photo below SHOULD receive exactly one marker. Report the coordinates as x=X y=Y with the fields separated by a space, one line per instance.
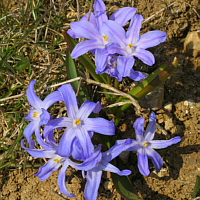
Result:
x=65 y=145
x=92 y=184
x=145 y=56
x=161 y=144
x=38 y=153
x=87 y=108
x=33 y=99
x=44 y=117
x=69 y=98
x=28 y=132
x=45 y=171
x=114 y=32
x=136 y=75
x=100 y=60
x=151 y=39
x=143 y=165
x=56 y=123
x=86 y=29
x=115 y=150
x=151 y=128
x=112 y=48
x=61 y=181
x=85 y=46
x=155 y=157
x=123 y=15
x=85 y=141
x=100 y=125
x=105 y=166
x=51 y=99
x=100 y=12
x=139 y=128
x=133 y=32
x=124 y=65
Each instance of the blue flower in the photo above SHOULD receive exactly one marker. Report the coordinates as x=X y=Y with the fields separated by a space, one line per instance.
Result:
x=102 y=164
x=38 y=115
x=92 y=30
x=55 y=162
x=130 y=43
x=145 y=145
x=79 y=126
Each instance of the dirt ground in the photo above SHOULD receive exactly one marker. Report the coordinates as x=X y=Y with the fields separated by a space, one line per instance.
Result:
x=178 y=115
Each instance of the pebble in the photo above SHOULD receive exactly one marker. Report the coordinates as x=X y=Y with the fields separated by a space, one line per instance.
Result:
x=108 y=185
x=168 y=107
x=192 y=44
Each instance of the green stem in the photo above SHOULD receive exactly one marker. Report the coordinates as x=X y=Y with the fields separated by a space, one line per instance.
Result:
x=116 y=84
x=108 y=79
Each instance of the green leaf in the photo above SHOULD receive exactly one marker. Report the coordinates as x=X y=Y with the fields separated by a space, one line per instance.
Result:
x=124 y=186
x=196 y=187
x=71 y=73
x=22 y=64
x=154 y=80
x=85 y=60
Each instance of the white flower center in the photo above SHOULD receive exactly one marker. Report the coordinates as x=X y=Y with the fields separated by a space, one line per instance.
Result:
x=76 y=123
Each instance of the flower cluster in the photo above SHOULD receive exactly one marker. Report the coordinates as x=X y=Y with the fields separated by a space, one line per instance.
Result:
x=76 y=144
x=115 y=48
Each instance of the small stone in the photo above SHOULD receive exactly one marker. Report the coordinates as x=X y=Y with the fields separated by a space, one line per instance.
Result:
x=185 y=103
x=108 y=185
x=124 y=156
x=168 y=124
x=192 y=44
x=168 y=107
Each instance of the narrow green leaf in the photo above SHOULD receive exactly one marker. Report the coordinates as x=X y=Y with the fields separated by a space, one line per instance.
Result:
x=71 y=73
x=155 y=79
x=196 y=187
x=85 y=60
x=124 y=186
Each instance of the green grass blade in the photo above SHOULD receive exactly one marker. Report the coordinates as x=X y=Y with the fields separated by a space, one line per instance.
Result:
x=196 y=187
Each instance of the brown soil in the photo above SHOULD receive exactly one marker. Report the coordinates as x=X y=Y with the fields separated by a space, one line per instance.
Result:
x=182 y=91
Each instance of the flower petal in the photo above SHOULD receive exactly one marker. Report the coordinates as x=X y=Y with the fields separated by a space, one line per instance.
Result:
x=136 y=75
x=38 y=153
x=69 y=98
x=44 y=117
x=45 y=171
x=33 y=99
x=145 y=56
x=139 y=128
x=143 y=165
x=100 y=60
x=114 y=32
x=86 y=29
x=65 y=145
x=85 y=141
x=111 y=168
x=161 y=144
x=86 y=109
x=28 y=132
x=155 y=157
x=61 y=181
x=56 y=123
x=115 y=150
x=151 y=39
x=51 y=99
x=100 y=125
x=151 y=128
x=100 y=12
x=112 y=48
x=123 y=15
x=124 y=65
x=85 y=46
x=133 y=32
x=92 y=184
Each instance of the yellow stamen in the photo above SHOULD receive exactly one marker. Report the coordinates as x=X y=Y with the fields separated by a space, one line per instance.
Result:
x=145 y=144
x=77 y=121
x=56 y=160
x=130 y=45
x=105 y=37
x=35 y=114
